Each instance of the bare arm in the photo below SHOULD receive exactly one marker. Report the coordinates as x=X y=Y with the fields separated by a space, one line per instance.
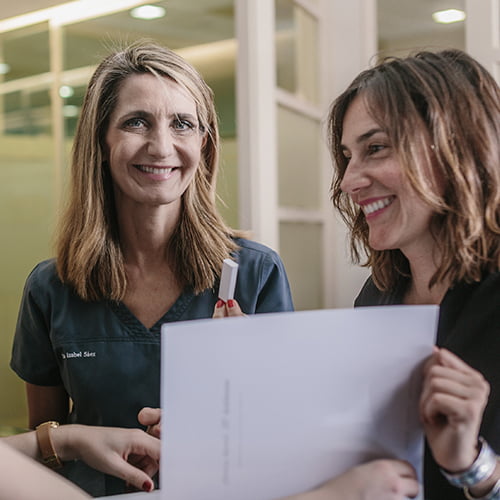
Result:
x=129 y=454
x=47 y=403
x=42 y=483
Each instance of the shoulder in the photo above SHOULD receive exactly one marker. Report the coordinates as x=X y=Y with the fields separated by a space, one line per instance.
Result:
x=481 y=295
x=488 y=286
x=253 y=247
x=43 y=274
x=369 y=294
x=262 y=284
x=491 y=282
x=43 y=285
x=251 y=251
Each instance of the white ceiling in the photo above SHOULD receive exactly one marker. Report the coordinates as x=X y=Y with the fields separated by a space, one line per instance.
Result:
x=397 y=18
x=12 y=8
x=412 y=18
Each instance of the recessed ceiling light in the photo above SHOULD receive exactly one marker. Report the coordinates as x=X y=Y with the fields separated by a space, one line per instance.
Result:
x=66 y=91
x=148 y=12
x=67 y=13
x=448 y=16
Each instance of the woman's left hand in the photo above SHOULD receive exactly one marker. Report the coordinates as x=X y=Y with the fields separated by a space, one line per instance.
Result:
x=453 y=399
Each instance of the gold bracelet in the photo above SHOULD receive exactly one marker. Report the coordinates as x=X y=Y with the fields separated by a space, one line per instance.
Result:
x=47 y=450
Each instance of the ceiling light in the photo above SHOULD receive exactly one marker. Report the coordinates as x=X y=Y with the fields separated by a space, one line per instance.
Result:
x=66 y=91
x=67 y=13
x=148 y=12
x=448 y=16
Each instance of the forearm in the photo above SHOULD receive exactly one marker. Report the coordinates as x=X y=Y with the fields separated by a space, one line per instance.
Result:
x=42 y=483
x=129 y=454
x=65 y=439
x=25 y=443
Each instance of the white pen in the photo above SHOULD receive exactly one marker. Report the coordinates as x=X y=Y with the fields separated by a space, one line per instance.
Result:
x=228 y=279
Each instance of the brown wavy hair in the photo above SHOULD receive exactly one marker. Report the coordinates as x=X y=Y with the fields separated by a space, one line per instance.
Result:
x=447 y=104
x=88 y=251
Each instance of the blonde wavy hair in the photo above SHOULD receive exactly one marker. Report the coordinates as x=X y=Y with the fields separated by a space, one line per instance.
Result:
x=88 y=252
x=448 y=105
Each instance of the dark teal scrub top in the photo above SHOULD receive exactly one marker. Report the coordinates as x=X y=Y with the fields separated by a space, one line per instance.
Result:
x=108 y=362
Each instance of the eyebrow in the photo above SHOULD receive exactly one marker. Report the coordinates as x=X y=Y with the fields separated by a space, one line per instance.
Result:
x=365 y=136
x=186 y=116
x=147 y=114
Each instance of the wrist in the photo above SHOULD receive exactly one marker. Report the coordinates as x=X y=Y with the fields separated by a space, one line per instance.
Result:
x=65 y=439
x=455 y=461
x=486 y=490
x=45 y=439
x=479 y=475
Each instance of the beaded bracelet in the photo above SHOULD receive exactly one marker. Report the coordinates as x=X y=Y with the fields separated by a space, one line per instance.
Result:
x=482 y=468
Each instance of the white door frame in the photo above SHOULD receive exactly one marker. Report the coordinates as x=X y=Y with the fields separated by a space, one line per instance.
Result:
x=482 y=33
x=348 y=40
x=256 y=120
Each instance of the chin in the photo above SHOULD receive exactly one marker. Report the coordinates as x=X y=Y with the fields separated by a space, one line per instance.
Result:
x=380 y=244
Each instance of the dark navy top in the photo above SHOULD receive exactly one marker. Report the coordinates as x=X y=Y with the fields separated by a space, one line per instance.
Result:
x=107 y=360
x=469 y=326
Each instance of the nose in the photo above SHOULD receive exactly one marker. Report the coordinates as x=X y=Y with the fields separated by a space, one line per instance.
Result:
x=161 y=142
x=355 y=177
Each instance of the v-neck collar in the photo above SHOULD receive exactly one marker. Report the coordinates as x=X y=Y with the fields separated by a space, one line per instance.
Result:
x=135 y=327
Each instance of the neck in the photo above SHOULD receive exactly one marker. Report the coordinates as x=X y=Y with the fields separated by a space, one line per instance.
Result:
x=419 y=291
x=145 y=233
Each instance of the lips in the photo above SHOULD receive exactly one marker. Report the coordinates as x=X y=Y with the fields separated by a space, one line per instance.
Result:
x=375 y=206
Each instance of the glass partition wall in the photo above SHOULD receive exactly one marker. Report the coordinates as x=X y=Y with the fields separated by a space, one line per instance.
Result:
x=27 y=188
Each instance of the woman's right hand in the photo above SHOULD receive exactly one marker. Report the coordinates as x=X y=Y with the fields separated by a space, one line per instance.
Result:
x=231 y=308
x=380 y=479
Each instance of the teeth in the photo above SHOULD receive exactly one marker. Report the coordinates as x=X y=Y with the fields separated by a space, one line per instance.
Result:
x=376 y=205
x=152 y=170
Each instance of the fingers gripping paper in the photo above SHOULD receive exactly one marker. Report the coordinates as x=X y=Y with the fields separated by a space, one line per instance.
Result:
x=263 y=407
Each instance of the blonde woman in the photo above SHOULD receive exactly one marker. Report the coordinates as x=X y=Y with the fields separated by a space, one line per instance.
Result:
x=140 y=243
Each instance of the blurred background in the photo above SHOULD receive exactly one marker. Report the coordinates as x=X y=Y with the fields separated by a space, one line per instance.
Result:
x=274 y=65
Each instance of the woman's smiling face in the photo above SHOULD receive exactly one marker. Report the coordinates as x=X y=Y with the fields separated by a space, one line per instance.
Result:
x=153 y=141
x=396 y=216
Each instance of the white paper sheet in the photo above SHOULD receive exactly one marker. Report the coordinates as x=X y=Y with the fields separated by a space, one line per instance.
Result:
x=266 y=406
